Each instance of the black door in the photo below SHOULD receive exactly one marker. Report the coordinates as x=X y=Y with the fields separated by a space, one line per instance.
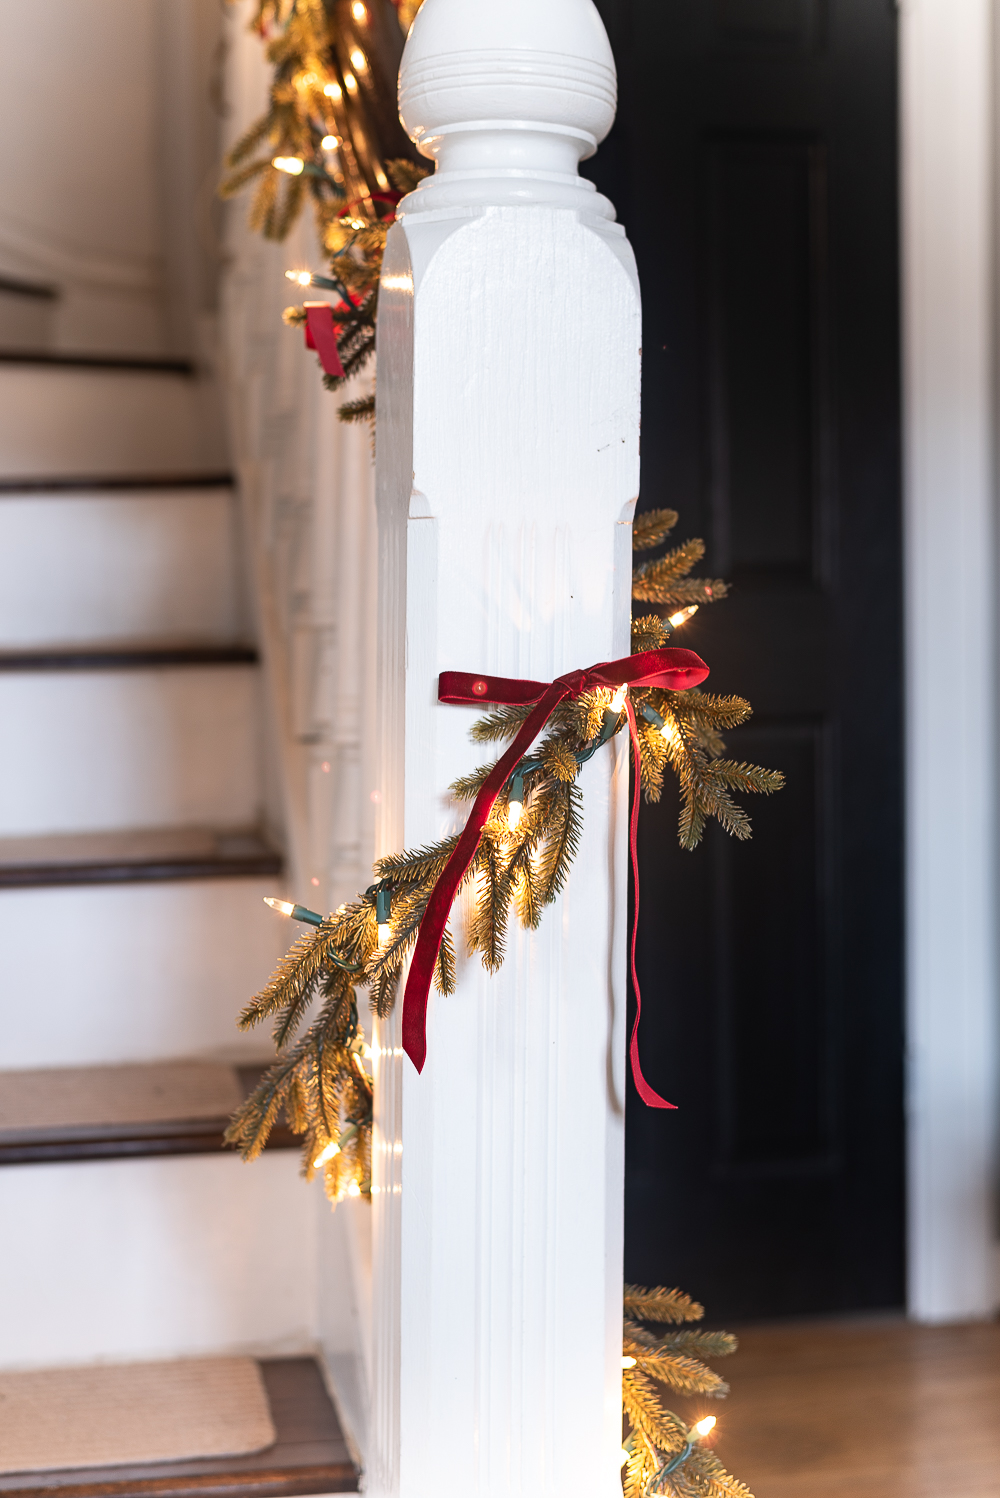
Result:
x=754 y=165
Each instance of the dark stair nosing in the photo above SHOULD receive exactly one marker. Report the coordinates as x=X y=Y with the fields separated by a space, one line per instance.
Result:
x=233 y=856
x=101 y=483
x=310 y=1455
x=36 y=290
x=125 y=657
x=138 y=363
x=70 y=1143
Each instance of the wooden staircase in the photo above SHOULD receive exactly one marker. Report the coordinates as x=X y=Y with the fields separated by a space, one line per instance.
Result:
x=134 y=853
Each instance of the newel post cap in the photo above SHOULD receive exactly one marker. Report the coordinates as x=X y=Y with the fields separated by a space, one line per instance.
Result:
x=514 y=93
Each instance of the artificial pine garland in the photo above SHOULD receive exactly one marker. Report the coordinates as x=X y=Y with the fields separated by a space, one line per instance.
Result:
x=332 y=130
x=522 y=862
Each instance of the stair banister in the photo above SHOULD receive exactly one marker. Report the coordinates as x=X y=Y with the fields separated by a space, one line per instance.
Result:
x=507 y=470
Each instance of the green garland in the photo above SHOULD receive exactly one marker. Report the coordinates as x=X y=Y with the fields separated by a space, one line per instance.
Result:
x=319 y=1079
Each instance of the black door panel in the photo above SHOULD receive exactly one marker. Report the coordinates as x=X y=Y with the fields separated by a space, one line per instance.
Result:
x=754 y=167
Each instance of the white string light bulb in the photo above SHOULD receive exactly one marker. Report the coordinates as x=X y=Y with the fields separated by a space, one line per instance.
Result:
x=283 y=907
x=293 y=165
x=618 y=700
x=683 y=615
x=326 y=1154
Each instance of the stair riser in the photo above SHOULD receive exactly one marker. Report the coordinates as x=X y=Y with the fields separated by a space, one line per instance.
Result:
x=104 y=568
x=114 y=749
x=156 y=1258
x=79 y=421
x=134 y=972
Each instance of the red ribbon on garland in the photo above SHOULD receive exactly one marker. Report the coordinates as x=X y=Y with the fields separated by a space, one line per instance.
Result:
x=321 y=335
x=675 y=670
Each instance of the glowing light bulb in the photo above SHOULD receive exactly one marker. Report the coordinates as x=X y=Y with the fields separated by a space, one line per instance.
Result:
x=618 y=700
x=515 y=803
x=326 y=1154
x=381 y=178
x=367 y=1051
x=283 y=907
x=704 y=1426
x=669 y=732
x=354 y=1189
x=290 y=164
x=333 y=91
x=383 y=912
x=359 y=60
x=628 y=1362
x=358 y=11
x=624 y=1457
x=350 y=83
x=330 y=142
x=300 y=277
x=683 y=615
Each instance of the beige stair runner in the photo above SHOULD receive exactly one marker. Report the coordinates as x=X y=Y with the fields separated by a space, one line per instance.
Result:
x=80 y=1096
x=132 y=1413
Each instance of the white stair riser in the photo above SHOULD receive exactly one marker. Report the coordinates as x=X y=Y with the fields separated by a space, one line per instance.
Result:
x=134 y=1259
x=88 y=750
x=59 y=421
x=94 y=568
x=135 y=972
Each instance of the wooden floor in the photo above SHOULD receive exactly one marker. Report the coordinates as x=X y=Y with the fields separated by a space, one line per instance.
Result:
x=864 y=1409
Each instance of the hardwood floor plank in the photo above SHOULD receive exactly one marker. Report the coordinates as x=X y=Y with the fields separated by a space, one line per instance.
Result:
x=872 y=1409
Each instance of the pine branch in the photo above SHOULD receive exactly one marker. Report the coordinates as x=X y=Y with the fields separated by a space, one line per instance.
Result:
x=684 y=1375
x=362 y=409
x=660 y=1305
x=652 y=528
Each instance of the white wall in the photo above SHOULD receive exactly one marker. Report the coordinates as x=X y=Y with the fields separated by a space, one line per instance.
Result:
x=109 y=134
x=948 y=131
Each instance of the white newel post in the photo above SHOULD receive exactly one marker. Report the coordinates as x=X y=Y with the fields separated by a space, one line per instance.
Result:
x=508 y=437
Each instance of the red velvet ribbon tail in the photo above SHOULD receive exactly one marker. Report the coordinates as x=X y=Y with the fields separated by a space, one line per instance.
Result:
x=321 y=335
x=418 y=981
x=650 y=1098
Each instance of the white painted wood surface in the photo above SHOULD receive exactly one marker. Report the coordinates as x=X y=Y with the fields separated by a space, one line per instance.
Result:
x=507 y=472
x=948 y=160
x=96 y=568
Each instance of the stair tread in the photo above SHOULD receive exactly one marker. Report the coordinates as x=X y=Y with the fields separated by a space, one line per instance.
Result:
x=54 y=358
x=310 y=1454
x=99 y=483
x=134 y=655
x=60 y=1114
x=132 y=855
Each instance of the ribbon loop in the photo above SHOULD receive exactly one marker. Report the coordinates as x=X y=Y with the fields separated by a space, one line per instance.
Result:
x=673 y=669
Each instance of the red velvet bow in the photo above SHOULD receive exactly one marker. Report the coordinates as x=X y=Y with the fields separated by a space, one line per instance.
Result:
x=675 y=670
x=321 y=335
